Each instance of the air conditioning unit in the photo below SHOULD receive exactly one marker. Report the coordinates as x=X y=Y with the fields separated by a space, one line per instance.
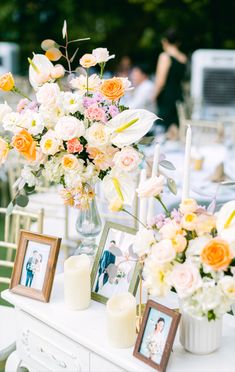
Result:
x=213 y=84
x=9 y=58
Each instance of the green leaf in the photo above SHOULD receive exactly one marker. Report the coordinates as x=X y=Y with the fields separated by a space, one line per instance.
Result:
x=74 y=55
x=211 y=315
x=172 y=185
x=10 y=208
x=22 y=200
x=167 y=164
x=29 y=189
x=147 y=140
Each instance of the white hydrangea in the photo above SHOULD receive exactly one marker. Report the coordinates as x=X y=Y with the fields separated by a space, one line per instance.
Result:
x=28 y=177
x=11 y=122
x=4 y=109
x=53 y=169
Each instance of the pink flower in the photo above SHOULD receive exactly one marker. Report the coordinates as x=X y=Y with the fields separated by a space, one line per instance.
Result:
x=127 y=159
x=186 y=279
x=103 y=159
x=22 y=105
x=96 y=113
x=113 y=110
x=151 y=187
x=74 y=145
x=57 y=72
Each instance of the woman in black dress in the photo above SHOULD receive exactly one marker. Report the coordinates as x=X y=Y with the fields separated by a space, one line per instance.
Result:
x=170 y=72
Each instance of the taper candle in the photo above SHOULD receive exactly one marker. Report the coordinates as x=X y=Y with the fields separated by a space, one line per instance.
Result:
x=155 y=167
x=187 y=160
x=77 y=282
x=121 y=320
x=142 y=201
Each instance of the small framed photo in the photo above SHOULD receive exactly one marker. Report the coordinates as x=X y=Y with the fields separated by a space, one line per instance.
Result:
x=156 y=337
x=35 y=265
x=115 y=269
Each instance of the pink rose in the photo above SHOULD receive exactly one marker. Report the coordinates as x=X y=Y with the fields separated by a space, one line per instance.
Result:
x=96 y=113
x=74 y=145
x=151 y=187
x=186 y=279
x=127 y=159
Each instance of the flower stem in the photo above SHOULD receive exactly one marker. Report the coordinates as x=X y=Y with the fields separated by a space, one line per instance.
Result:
x=163 y=206
x=18 y=91
x=87 y=81
x=136 y=218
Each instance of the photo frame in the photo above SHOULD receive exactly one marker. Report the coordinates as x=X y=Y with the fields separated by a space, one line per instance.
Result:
x=115 y=269
x=35 y=265
x=156 y=337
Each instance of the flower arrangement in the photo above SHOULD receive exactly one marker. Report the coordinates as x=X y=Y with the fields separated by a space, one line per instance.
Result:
x=76 y=136
x=191 y=250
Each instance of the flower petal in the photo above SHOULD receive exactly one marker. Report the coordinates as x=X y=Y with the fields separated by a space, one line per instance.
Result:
x=119 y=185
x=39 y=64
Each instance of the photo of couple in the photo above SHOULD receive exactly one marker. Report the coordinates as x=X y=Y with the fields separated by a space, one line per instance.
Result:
x=116 y=255
x=34 y=267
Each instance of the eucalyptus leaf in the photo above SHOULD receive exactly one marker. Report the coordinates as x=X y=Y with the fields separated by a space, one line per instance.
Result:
x=74 y=55
x=10 y=208
x=172 y=185
x=116 y=251
x=48 y=44
x=129 y=276
x=22 y=200
x=64 y=29
x=167 y=164
x=112 y=271
x=132 y=253
x=29 y=189
x=211 y=207
x=147 y=140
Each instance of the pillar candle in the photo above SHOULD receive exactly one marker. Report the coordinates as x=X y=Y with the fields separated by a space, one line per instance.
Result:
x=187 y=159
x=142 y=201
x=121 y=320
x=154 y=173
x=77 y=282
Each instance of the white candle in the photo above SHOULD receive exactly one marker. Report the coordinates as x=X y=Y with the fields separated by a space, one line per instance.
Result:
x=142 y=201
x=77 y=282
x=155 y=166
x=121 y=320
x=187 y=159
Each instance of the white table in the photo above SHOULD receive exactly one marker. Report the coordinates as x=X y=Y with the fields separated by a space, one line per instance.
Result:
x=52 y=338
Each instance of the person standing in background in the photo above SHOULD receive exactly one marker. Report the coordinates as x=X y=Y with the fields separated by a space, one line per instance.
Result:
x=170 y=71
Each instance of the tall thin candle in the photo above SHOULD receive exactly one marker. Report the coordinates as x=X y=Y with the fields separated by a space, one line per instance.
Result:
x=187 y=159
x=142 y=201
x=155 y=167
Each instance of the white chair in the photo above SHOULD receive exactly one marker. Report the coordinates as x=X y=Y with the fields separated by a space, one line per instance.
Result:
x=19 y=219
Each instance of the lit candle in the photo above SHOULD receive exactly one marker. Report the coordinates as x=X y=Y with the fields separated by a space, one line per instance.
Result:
x=121 y=320
x=142 y=201
x=77 y=282
x=187 y=159
x=154 y=173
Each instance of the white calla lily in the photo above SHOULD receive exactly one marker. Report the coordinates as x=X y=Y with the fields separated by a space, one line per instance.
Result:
x=130 y=126
x=225 y=221
x=119 y=185
x=39 y=70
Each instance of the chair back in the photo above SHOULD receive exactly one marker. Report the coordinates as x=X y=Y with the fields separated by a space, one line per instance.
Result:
x=19 y=219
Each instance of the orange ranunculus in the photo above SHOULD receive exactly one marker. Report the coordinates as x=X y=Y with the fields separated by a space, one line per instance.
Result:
x=113 y=89
x=7 y=82
x=217 y=254
x=24 y=143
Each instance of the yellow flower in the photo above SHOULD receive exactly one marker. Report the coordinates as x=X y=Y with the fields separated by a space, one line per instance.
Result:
x=116 y=205
x=69 y=161
x=88 y=60
x=7 y=82
x=189 y=221
x=4 y=149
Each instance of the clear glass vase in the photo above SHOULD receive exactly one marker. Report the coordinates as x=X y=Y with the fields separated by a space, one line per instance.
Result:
x=88 y=225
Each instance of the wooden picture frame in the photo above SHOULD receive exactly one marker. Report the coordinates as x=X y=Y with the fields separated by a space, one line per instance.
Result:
x=36 y=259
x=149 y=344
x=95 y=275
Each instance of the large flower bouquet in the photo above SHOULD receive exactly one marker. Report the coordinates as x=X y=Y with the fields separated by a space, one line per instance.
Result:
x=74 y=136
x=191 y=250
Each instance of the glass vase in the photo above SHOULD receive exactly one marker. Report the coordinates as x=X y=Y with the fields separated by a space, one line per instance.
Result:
x=88 y=225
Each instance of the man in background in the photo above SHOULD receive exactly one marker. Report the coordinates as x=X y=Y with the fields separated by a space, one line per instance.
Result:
x=106 y=259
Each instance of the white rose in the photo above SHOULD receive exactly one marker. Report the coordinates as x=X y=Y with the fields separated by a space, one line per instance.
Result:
x=4 y=109
x=69 y=127
x=127 y=159
x=170 y=230
x=48 y=94
x=143 y=241
x=188 y=206
x=50 y=115
x=151 y=187
x=227 y=284
x=163 y=252
x=186 y=279
x=49 y=143
x=225 y=222
x=72 y=102
x=102 y=55
x=11 y=122
x=98 y=135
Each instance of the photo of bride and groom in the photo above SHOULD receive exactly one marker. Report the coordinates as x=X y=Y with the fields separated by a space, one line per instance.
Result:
x=34 y=267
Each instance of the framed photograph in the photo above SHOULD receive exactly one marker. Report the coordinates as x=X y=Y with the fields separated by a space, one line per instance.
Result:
x=115 y=269
x=35 y=265
x=156 y=337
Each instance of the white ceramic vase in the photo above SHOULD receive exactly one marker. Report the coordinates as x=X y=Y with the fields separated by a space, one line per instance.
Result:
x=200 y=336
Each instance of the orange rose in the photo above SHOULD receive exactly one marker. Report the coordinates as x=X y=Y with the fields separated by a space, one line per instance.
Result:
x=7 y=82
x=88 y=60
x=217 y=254
x=24 y=143
x=113 y=89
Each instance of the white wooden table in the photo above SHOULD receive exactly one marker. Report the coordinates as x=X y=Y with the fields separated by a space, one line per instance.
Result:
x=52 y=338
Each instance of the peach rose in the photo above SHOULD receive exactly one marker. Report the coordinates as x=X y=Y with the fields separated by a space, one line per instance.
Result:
x=74 y=145
x=127 y=159
x=88 y=60
x=69 y=162
x=179 y=243
x=205 y=224
x=24 y=143
x=188 y=206
x=57 y=72
x=7 y=82
x=217 y=254
x=4 y=149
x=113 y=89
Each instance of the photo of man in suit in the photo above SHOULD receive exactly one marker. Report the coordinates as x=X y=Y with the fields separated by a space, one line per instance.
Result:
x=106 y=259
x=30 y=269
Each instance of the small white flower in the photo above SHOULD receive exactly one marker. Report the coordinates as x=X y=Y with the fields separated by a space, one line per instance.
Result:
x=69 y=127
x=28 y=176
x=227 y=284
x=48 y=94
x=163 y=252
x=102 y=55
x=80 y=83
x=11 y=122
x=32 y=121
x=4 y=109
x=98 y=135
x=50 y=143
x=72 y=102
x=143 y=241
x=156 y=278
x=196 y=245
